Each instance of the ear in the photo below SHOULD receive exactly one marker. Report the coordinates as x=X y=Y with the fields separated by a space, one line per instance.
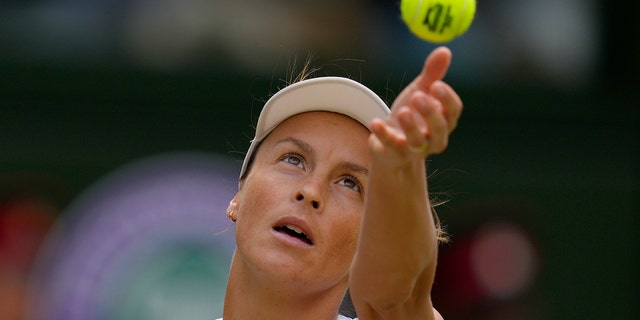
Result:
x=232 y=209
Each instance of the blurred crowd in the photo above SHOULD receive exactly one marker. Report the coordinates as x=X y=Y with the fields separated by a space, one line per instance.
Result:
x=551 y=42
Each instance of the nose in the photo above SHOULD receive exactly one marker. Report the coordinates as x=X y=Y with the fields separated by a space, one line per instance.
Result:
x=314 y=203
x=311 y=192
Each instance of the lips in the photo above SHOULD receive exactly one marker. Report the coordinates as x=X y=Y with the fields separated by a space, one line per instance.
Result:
x=295 y=229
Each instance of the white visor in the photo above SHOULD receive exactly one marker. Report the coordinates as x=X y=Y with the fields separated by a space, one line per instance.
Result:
x=334 y=94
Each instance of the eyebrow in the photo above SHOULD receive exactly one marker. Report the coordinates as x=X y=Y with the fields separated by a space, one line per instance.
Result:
x=350 y=166
x=307 y=148
x=299 y=143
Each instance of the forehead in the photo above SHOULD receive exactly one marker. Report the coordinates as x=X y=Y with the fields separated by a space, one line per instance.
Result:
x=324 y=128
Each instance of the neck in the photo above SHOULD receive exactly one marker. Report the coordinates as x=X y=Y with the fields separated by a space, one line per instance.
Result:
x=257 y=296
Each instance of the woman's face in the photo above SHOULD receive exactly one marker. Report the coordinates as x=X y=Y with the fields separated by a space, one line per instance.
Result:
x=299 y=209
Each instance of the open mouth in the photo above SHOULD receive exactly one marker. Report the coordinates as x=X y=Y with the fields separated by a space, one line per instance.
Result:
x=294 y=232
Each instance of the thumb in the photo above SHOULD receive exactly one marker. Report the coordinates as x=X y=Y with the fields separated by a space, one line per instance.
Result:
x=435 y=67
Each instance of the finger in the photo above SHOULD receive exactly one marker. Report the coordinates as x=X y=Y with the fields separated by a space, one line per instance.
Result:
x=387 y=136
x=431 y=111
x=438 y=132
x=414 y=128
x=424 y=105
x=435 y=67
x=451 y=102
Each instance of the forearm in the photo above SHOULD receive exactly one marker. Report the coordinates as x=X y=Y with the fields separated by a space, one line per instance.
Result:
x=398 y=241
x=392 y=274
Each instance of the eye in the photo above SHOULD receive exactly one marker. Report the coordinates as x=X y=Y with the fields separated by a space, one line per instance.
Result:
x=351 y=182
x=294 y=159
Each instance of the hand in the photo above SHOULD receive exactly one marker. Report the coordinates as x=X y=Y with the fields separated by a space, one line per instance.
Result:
x=422 y=116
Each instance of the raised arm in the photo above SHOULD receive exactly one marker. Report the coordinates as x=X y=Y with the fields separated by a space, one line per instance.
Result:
x=395 y=263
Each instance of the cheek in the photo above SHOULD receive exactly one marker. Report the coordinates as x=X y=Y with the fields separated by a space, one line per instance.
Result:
x=252 y=196
x=347 y=231
x=252 y=203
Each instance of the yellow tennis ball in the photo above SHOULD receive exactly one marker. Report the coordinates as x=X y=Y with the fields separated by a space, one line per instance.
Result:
x=438 y=20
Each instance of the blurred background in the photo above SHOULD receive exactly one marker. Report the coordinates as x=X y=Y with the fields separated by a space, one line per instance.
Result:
x=122 y=124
